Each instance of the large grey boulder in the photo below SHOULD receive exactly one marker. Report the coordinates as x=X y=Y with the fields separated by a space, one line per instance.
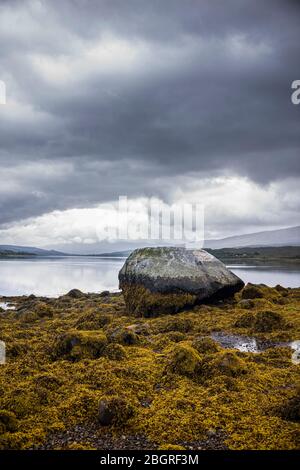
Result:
x=155 y=281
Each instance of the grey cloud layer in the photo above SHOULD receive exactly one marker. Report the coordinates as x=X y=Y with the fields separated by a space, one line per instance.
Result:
x=192 y=86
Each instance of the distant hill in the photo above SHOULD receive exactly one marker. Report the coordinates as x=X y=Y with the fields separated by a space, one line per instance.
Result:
x=115 y=254
x=287 y=237
x=242 y=255
x=283 y=237
x=11 y=250
x=258 y=255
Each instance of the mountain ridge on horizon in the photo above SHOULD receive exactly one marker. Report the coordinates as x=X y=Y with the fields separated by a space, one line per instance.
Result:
x=289 y=236
x=29 y=250
x=281 y=237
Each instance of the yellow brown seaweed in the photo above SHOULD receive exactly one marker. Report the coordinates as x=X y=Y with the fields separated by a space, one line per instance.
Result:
x=165 y=377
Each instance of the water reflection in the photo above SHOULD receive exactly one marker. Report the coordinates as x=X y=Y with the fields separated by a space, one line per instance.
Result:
x=269 y=275
x=253 y=345
x=242 y=343
x=56 y=276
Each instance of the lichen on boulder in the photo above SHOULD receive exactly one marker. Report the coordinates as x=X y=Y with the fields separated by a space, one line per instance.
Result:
x=167 y=280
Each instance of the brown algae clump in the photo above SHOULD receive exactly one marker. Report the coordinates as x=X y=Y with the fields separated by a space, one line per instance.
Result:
x=268 y=321
x=115 y=352
x=115 y=410
x=205 y=345
x=264 y=321
x=8 y=421
x=226 y=363
x=151 y=304
x=184 y=359
x=291 y=409
x=252 y=292
x=76 y=345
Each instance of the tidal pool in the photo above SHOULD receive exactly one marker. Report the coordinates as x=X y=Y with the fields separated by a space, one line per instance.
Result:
x=253 y=345
x=7 y=306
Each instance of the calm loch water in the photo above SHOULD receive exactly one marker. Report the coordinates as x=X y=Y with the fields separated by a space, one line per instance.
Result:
x=56 y=276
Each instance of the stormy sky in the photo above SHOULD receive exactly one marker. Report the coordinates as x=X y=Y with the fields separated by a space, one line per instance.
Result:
x=177 y=100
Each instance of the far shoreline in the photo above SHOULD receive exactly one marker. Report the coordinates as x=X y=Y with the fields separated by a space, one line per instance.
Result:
x=259 y=256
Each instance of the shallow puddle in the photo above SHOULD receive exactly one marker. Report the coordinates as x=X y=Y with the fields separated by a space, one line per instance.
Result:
x=242 y=343
x=295 y=345
x=253 y=345
x=6 y=306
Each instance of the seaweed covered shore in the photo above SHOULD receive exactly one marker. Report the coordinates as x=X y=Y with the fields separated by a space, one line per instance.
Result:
x=81 y=373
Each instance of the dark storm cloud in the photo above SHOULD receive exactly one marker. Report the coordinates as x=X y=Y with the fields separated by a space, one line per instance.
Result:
x=194 y=86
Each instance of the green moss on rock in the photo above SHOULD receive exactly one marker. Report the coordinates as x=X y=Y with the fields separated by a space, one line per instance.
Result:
x=175 y=323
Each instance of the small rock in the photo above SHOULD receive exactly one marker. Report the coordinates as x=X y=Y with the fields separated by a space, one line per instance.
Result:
x=291 y=409
x=76 y=345
x=76 y=294
x=139 y=328
x=205 y=345
x=115 y=351
x=8 y=421
x=104 y=293
x=246 y=303
x=252 y=291
x=114 y=410
x=123 y=336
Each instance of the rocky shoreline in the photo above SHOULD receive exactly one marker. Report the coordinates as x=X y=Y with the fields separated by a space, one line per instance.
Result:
x=160 y=382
